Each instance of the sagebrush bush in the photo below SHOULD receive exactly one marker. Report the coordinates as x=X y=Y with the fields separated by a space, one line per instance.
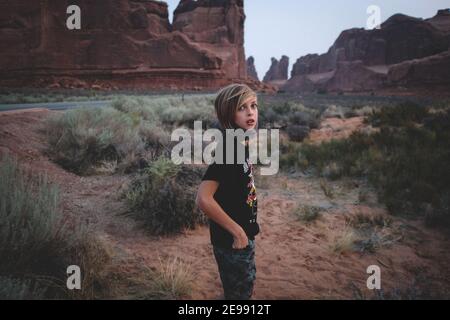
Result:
x=81 y=139
x=406 y=161
x=31 y=226
x=37 y=243
x=334 y=111
x=170 y=111
x=164 y=197
x=135 y=106
x=157 y=140
x=20 y=289
x=399 y=115
x=125 y=136
x=297 y=132
x=287 y=114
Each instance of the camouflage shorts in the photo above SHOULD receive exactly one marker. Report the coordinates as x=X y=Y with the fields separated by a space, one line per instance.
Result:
x=237 y=271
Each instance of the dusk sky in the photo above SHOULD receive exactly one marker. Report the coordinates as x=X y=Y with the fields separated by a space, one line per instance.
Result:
x=298 y=27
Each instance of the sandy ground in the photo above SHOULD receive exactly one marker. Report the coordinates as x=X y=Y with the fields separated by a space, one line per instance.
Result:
x=294 y=260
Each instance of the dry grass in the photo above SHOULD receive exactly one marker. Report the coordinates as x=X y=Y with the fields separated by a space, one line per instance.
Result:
x=360 y=220
x=307 y=213
x=326 y=188
x=171 y=280
x=38 y=243
x=345 y=242
x=375 y=231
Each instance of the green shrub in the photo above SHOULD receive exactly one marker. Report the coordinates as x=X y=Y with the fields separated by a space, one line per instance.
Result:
x=157 y=140
x=406 y=161
x=286 y=114
x=82 y=139
x=124 y=137
x=37 y=243
x=170 y=110
x=164 y=197
x=399 y=115
x=297 y=132
x=333 y=158
x=20 y=289
x=334 y=111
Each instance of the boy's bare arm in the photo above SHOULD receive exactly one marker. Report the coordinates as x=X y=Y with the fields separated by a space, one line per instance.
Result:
x=206 y=202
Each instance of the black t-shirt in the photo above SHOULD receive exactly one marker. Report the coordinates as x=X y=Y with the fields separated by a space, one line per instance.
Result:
x=236 y=195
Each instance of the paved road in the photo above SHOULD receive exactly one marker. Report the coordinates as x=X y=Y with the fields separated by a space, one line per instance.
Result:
x=55 y=105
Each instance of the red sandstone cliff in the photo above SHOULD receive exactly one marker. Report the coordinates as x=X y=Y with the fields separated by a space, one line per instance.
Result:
x=122 y=43
x=406 y=53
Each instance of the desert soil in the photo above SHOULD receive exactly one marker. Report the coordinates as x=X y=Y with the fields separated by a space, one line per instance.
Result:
x=294 y=259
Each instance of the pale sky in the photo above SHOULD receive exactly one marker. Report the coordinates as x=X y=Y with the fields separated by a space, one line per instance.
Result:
x=298 y=27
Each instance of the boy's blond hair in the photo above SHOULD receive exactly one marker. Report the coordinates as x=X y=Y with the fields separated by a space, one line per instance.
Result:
x=228 y=100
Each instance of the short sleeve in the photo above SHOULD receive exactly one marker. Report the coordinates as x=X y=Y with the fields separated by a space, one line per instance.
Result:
x=215 y=172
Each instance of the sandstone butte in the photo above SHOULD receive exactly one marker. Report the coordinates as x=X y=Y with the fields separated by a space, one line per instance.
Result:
x=406 y=54
x=278 y=72
x=124 y=44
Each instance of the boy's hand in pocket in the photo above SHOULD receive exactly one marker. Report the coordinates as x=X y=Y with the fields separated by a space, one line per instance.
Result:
x=240 y=240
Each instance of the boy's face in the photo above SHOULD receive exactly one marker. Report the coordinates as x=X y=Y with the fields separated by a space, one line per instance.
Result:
x=246 y=115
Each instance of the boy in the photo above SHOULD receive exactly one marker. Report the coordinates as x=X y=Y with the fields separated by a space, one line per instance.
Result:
x=227 y=195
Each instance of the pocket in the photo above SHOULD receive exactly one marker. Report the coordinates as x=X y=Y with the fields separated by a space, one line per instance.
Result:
x=248 y=248
x=240 y=251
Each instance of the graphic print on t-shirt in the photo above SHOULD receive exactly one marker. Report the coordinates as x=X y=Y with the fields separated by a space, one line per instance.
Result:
x=251 y=198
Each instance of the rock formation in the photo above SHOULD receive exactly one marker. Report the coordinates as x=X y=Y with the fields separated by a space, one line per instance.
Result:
x=441 y=21
x=251 y=70
x=278 y=71
x=123 y=43
x=406 y=52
